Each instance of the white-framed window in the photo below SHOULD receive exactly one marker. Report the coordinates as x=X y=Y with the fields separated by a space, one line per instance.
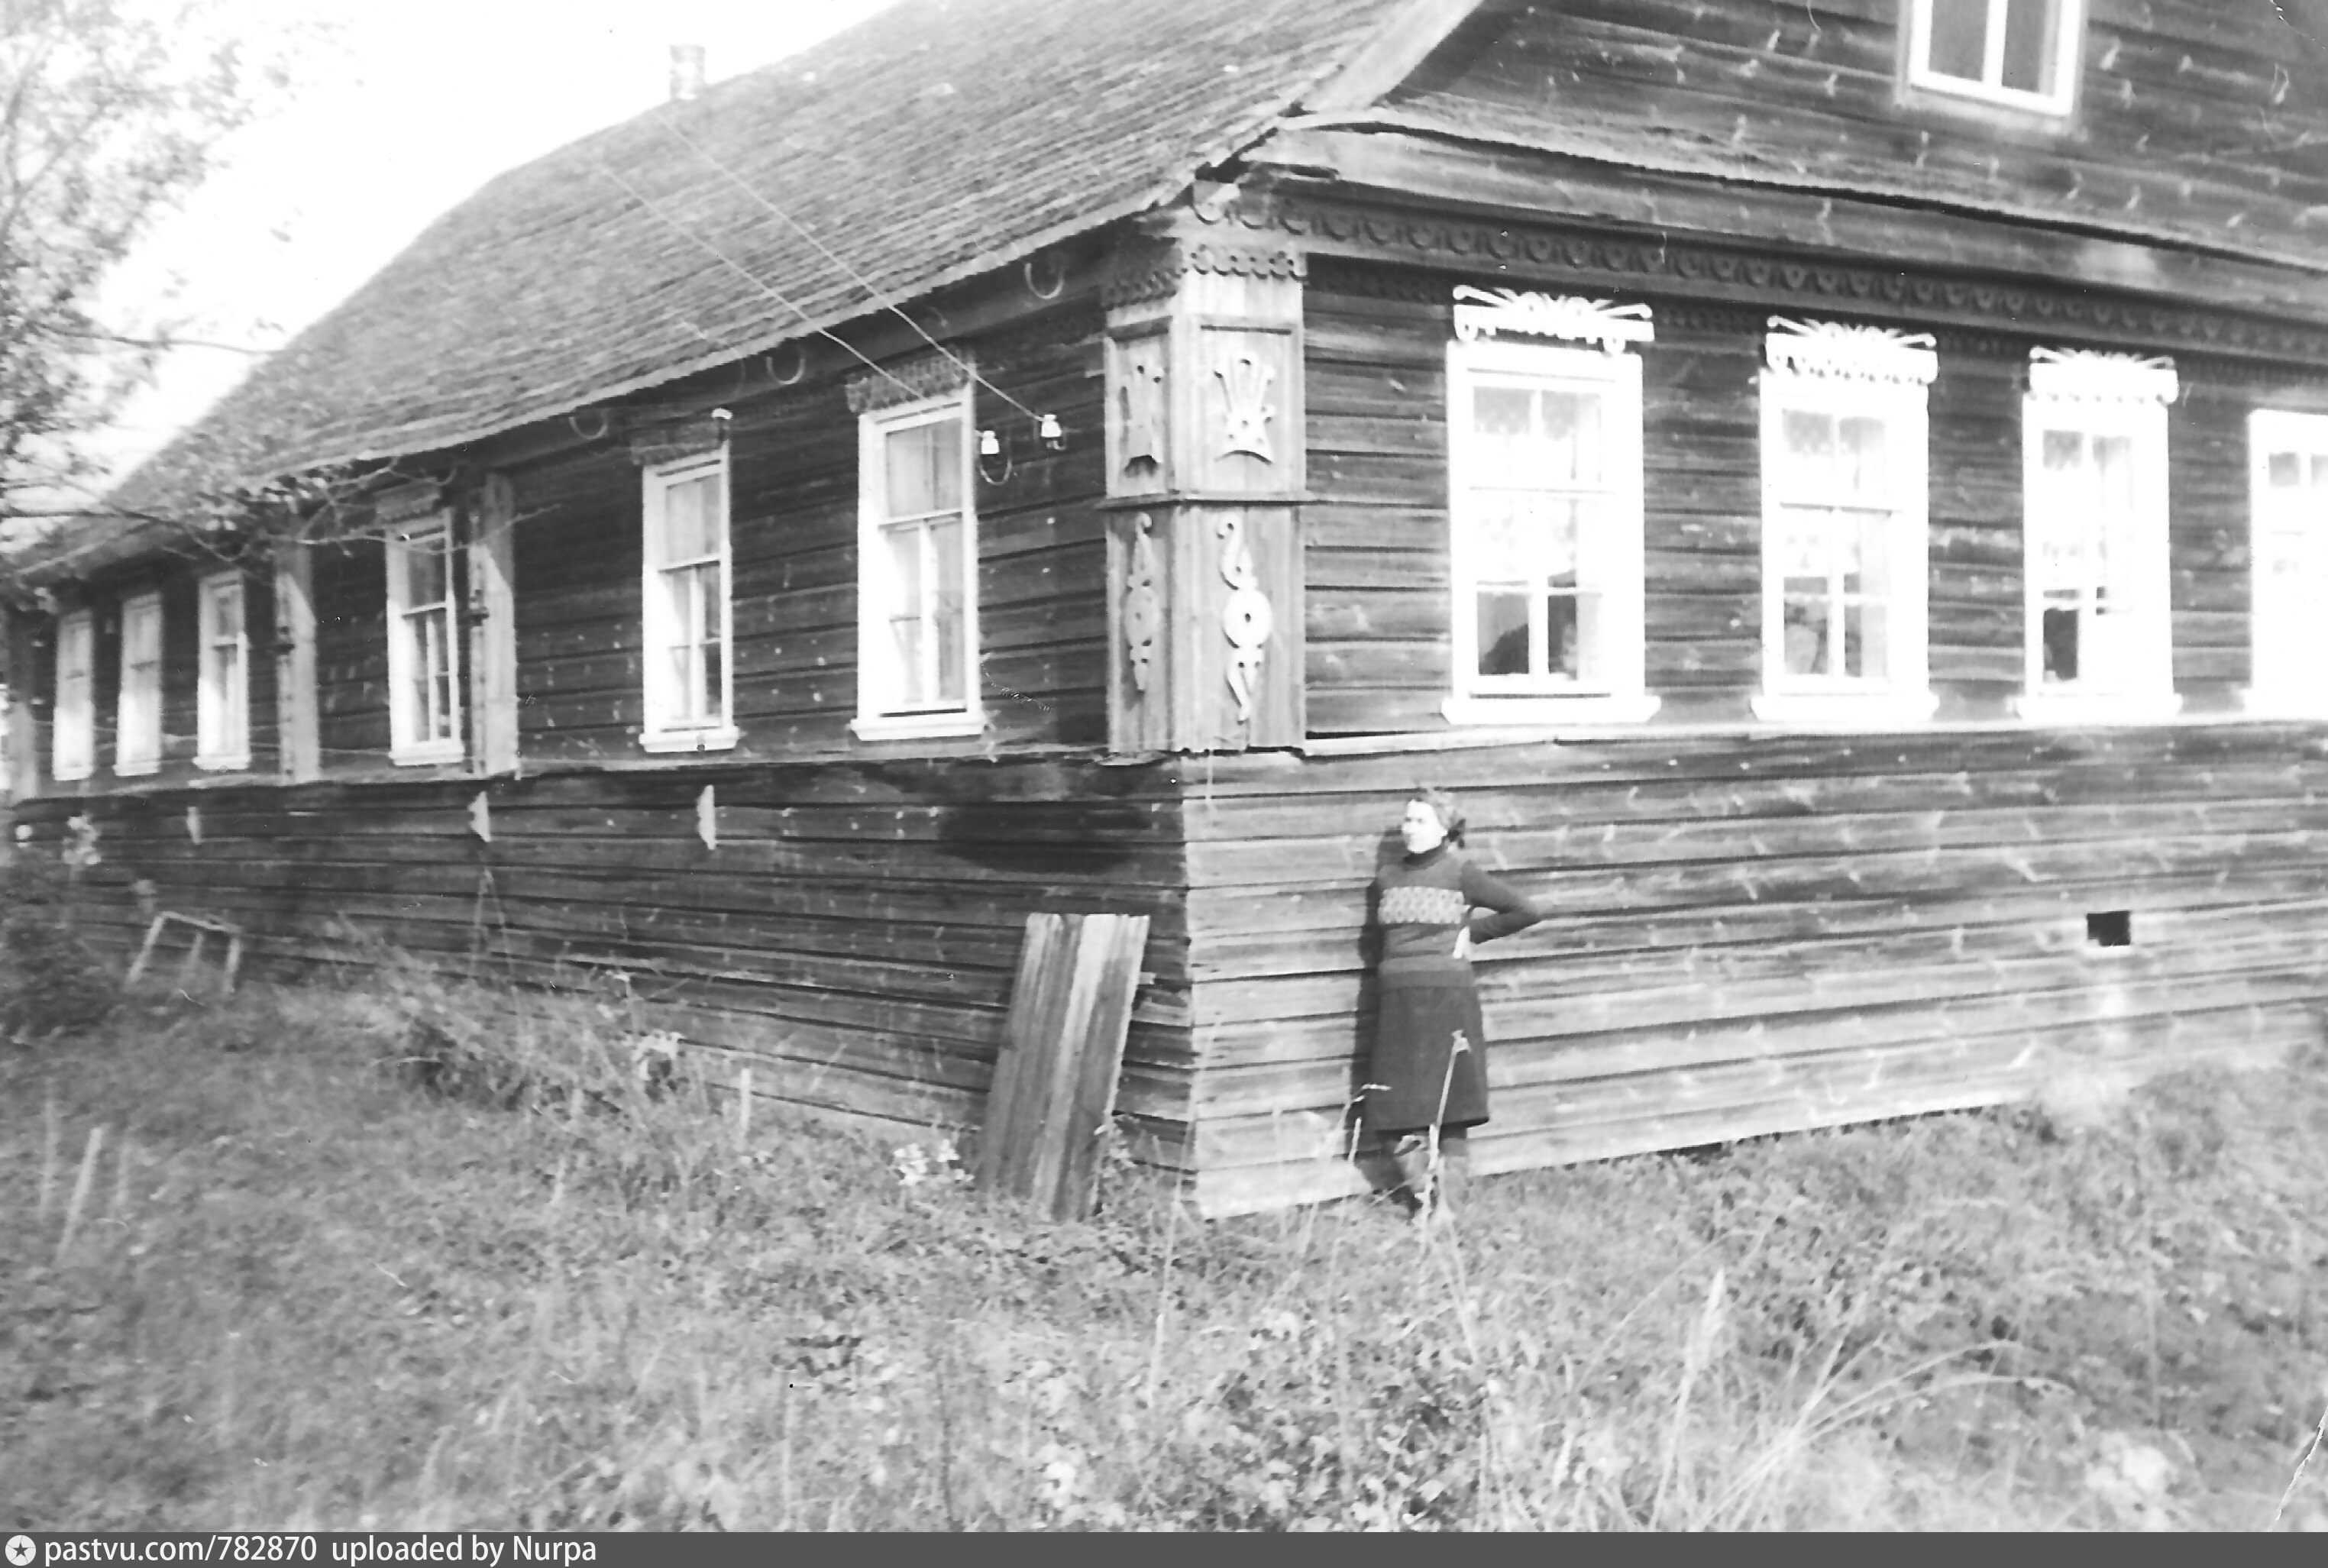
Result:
x=73 y=737
x=222 y=696
x=1543 y=463
x=690 y=677
x=2287 y=456
x=2021 y=54
x=2098 y=629
x=1846 y=553
x=424 y=646
x=917 y=571
x=138 y=717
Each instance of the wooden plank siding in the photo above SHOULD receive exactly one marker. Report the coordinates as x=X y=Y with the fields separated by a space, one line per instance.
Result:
x=1807 y=96
x=792 y=523
x=853 y=937
x=1378 y=597
x=1748 y=936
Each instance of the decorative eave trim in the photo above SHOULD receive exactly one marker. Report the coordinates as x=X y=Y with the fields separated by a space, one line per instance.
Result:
x=2097 y=377
x=908 y=380
x=1585 y=256
x=1839 y=349
x=407 y=502
x=676 y=440
x=1482 y=313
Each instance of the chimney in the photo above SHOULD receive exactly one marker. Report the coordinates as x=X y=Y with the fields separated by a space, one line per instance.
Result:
x=686 y=72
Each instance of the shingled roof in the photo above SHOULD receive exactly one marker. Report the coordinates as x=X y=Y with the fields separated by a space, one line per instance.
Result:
x=933 y=142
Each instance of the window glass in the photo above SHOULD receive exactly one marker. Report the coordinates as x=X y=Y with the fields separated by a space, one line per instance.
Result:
x=222 y=737
x=922 y=593
x=2290 y=588
x=1538 y=498
x=138 y=722
x=687 y=618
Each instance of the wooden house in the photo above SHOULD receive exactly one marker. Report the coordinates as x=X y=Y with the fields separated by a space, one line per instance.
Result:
x=1841 y=489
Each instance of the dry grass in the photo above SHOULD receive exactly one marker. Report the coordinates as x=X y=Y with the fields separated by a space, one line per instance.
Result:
x=417 y=1259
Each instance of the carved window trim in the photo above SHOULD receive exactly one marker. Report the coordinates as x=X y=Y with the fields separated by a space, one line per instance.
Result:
x=138 y=710
x=883 y=712
x=2288 y=538
x=2066 y=54
x=1618 y=694
x=2130 y=677
x=72 y=733
x=1830 y=371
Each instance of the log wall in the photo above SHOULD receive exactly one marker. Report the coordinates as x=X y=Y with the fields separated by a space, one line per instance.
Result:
x=851 y=935
x=2192 y=121
x=1378 y=597
x=1752 y=935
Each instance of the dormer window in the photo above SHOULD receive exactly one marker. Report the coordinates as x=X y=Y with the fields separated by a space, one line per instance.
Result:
x=2015 y=53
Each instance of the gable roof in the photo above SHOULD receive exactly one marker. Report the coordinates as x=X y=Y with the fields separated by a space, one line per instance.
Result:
x=934 y=141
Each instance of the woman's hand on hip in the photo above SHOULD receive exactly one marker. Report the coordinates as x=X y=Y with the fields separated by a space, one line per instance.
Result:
x=1464 y=942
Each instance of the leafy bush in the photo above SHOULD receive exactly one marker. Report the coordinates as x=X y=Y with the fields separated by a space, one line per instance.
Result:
x=50 y=981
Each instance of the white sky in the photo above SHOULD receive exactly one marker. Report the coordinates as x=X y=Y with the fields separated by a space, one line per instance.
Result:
x=407 y=106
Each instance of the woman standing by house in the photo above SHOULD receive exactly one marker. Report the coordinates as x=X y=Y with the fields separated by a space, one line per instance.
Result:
x=1427 y=1086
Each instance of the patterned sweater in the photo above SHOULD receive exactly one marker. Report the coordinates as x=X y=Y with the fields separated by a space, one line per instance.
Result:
x=1421 y=901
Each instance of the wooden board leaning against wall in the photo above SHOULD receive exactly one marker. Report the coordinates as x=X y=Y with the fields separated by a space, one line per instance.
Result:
x=848 y=931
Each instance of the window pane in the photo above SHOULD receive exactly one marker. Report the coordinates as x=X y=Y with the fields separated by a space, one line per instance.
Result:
x=1570 y=447
x=1562 y=631
x=1804 y=614
x=2060 y=639
x=1959 y=37
x=1859 y=452
x=2319 y=472
x=690 y=518
x=2028 y=40
x=1499 y=412
x=946 y=609
x=924 y=472
x=715 y=681
x=904 y=571
x=1810 y=450
x=226 y=602
x=424 y=569
x=2286 y=470
x=1503 y=633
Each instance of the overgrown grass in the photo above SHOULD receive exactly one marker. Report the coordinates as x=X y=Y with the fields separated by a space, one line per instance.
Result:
x=416 y=1258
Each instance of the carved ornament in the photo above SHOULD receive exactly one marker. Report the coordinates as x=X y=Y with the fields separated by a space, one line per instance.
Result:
x=1866 y=354
x=2066 y=307
x=407 y=502
x=908 y=380
x=1143 y=605
x=1246 y=379
x=2102 y=378
x=1484 y=312
x=1140 y=405
x=670 y=440
x=1236 y=261
x=1157 y=278
x=1246 y=617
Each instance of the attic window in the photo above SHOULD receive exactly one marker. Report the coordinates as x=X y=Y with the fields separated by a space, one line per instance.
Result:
x=2016 y=53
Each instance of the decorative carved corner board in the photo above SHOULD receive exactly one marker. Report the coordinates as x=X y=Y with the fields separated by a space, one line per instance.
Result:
x=1206 y=464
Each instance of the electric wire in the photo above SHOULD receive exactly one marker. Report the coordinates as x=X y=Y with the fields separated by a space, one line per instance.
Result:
x=827 y=251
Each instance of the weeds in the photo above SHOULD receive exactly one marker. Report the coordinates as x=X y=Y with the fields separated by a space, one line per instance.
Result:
x=52 y=983
x=425 y=1256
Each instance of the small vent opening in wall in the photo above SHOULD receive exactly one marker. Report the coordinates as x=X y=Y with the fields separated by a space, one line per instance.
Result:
x=2111 y=928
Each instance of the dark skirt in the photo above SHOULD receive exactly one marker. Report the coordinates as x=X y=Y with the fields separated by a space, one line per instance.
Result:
x=1418 y=1075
